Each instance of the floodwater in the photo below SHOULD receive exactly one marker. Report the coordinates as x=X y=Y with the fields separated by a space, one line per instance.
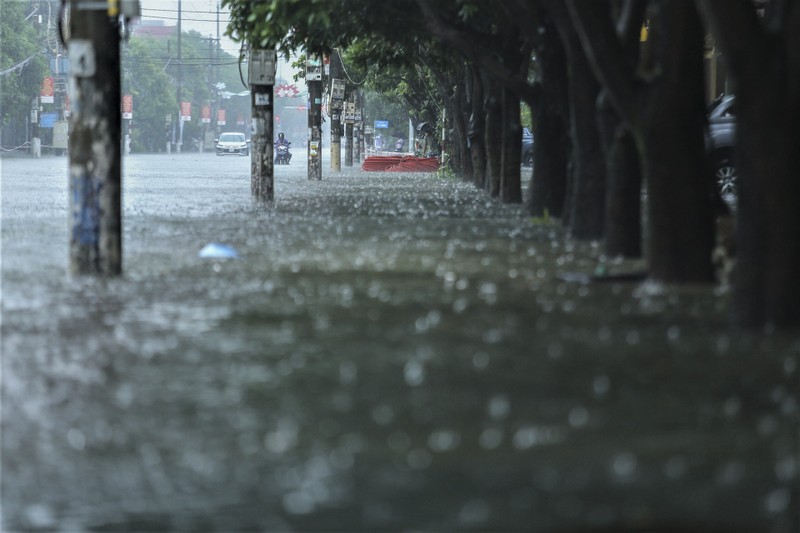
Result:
x=389 y=352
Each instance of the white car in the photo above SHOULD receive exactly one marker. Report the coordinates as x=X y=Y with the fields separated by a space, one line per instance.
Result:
x=232 y=143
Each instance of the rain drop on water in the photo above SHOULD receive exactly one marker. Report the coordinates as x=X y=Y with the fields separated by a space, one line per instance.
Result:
x=624 y=465
x=490 y=438
x=578 y=416
x=414 y=373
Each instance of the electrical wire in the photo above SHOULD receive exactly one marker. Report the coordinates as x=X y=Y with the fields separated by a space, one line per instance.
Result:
x=347 y=74
x=203 y=12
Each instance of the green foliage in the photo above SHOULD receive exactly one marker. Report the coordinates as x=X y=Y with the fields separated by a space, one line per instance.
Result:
x=526 y=117
x=382 y=107
x=317 y=25
x=446 y=172
x=544 y=220
x=19 y=40
x=150 y=72
x=146 y=80
x=385 y=52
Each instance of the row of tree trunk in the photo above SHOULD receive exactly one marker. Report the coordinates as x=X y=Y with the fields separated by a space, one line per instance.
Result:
x=616 y=121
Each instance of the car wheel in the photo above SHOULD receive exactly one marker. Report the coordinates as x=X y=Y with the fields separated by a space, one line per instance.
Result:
x=726 y=178
x=527 y=159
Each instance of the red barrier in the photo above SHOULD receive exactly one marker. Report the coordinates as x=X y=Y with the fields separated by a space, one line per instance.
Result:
x=397 y=163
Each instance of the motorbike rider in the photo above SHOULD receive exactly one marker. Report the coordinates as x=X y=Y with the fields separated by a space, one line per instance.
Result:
x=281 y=141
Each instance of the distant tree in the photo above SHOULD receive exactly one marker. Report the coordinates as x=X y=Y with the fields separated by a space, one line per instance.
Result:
x=22 y=62
x=404 y=81
x=490 y=39
x=145 y=79
x=150 y=76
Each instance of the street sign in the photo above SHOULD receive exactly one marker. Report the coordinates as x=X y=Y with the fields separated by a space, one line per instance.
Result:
x=381 y=124
x=46 y=120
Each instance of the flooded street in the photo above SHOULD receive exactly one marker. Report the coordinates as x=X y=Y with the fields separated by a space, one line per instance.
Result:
x=389 y=352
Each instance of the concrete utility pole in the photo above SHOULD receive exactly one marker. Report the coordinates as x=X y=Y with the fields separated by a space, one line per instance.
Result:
x=36 y=141
x=314 y=82
x=94 y=148
x=359 y=129
x=337 y=100
x=178 y=94
x=349 y=119
x=262 y=80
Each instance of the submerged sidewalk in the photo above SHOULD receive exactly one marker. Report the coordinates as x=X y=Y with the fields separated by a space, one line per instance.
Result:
x=389 y=352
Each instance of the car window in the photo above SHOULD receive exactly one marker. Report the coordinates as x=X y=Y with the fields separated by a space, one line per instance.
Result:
x=723 y=108
x=231 y=137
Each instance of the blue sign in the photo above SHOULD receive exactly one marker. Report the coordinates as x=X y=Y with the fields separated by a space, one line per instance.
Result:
x=381 y=124
x=46 y=120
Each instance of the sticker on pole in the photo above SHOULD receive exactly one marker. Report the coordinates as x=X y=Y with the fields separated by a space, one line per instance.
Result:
x=262 y=98
x=82 y=58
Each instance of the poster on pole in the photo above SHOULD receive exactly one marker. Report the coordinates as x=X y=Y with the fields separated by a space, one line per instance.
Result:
x=186 y=111
x=205 y=114
x=47 y=94
x=313 y=68
x=221 y=117
x=127 y=107
x=337 y=89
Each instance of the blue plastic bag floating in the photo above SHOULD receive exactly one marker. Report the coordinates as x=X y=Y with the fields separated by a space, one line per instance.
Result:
x=216 y=250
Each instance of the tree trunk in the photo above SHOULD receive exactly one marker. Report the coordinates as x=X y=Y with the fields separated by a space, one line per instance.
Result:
x=510 y=181
x=764 y=62
x=587 y=206
x=665 y=109
x=623 y=234
x=550 y=120
x=476 y=132
x=766 y=280
x=459 y=145
x=680 y=231
x=494 y=136
x=680 y=210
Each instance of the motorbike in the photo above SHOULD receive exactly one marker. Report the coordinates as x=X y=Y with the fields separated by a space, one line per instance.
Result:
x=282 y=154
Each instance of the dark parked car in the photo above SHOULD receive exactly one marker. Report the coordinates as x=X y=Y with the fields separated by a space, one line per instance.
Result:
x=722 y=145
x=527 y=147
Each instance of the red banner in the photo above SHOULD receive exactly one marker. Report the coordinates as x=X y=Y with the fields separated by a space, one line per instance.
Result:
x=221 y=117
x=205 y=114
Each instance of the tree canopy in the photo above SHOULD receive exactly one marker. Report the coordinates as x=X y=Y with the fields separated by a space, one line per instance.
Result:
x=22 y=61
